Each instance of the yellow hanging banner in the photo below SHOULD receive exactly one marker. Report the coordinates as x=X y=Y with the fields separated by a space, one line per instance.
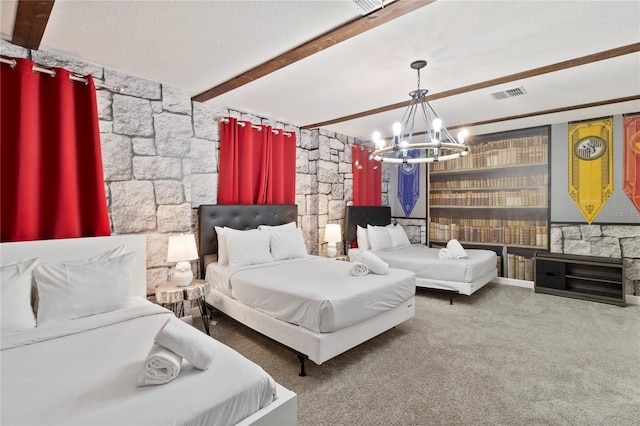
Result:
x=591 y=165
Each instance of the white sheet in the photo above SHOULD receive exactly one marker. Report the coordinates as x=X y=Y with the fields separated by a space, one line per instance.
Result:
x=317 y=293
x=85 y=371
x=425 y=262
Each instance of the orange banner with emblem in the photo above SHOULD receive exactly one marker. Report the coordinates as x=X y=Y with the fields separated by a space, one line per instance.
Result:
x=591 y=165
x=631 y=158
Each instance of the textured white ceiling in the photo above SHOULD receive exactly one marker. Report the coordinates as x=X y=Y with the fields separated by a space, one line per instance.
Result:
x=196 y=45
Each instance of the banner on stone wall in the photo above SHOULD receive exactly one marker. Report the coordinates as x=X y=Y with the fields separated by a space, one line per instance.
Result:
x=407 y=189
x=591 y=165
x=631 y=158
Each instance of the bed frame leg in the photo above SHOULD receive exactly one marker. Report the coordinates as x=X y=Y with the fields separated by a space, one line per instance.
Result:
x=451 y=299
x=302 y=357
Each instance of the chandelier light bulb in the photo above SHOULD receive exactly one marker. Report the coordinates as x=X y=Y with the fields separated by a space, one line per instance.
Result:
x=404 y=144
x=437 y=124
x=462 y=135
x=375 y=136
x=397 y=127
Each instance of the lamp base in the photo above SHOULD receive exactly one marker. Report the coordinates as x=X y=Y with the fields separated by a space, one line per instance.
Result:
x=331 y=250
x=182 y=276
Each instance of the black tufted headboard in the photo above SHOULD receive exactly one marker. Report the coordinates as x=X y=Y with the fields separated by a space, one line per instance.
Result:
x=363 y=216
x=237 y=216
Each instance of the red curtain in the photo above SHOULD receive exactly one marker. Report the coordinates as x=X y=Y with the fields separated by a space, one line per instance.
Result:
x=367 y=177
x=52 y=183
x=257 y=164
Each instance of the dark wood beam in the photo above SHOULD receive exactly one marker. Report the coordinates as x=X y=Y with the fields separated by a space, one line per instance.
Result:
x=600 y=56
x=328 y=39
x=31 y=20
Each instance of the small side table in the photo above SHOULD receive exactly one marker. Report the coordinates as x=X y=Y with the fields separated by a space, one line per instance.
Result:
x=173 y=297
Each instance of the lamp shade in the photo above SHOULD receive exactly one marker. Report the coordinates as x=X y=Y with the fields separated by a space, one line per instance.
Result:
x=332 y=233
x=182 y=248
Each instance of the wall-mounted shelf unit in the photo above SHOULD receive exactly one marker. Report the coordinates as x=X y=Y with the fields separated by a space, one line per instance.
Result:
x=598 y=279
x=497 y=196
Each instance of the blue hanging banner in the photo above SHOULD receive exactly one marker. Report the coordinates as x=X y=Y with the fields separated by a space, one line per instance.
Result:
x=409 y=183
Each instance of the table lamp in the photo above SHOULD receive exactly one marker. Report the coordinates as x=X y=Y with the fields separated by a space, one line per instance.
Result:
x=182 y=249
x=332 y=235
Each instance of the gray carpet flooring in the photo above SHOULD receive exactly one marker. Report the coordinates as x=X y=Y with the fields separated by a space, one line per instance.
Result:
x=502 y=356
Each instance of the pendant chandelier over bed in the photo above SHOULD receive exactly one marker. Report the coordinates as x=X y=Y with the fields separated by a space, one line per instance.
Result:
x=437 y=144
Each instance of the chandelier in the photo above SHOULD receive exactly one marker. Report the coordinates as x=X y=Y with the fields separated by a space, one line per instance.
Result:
x=437 y=144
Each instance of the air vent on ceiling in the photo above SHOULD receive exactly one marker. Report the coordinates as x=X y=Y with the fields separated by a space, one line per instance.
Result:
x=509 y=93
x=367 y=6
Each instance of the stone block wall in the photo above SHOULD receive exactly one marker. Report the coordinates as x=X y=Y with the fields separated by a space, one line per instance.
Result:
x=160 y=160
x=615 y=241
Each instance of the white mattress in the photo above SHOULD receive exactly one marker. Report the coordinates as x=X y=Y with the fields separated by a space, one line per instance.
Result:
x=426 y=264
x=84 y=371
x=316 y=293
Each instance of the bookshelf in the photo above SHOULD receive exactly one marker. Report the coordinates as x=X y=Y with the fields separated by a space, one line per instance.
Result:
x=496 y=197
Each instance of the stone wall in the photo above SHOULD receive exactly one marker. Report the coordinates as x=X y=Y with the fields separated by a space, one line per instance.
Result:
x=160 y=162
x=616 y=241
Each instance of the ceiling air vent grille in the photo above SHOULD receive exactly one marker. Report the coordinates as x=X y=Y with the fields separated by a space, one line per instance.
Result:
x=509 y=93
x=367 y=6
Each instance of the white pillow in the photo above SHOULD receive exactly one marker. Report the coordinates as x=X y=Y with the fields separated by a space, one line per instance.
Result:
x=398 y=236
x=68 y=290
x=17 y=313
x=290 y=225
x=248 y=247
x=287 y=244
x=379 y=237
x=223 y=257
x=362 y=239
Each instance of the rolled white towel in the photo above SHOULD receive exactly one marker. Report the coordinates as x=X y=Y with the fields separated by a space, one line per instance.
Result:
x=456 y=249
x=373 y=262
x=359 y=269
x=188 y=342
x=445 y=254
x=161 y=366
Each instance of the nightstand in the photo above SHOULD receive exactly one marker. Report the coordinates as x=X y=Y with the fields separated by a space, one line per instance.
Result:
x=172 y=297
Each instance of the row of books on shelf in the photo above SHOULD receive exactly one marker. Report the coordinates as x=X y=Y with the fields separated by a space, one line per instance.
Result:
x=492 y=182
x=529 y=150
x=519 y=267
x=523 y=197
x=517 y=235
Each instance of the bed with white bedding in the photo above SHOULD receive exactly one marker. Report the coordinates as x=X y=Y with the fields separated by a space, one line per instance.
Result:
x=313 y=305
x=464 y=276
x=84 y=370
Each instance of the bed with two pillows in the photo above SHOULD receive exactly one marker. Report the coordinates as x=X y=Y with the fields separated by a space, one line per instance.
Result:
x=78 y=334
x=262 y=275
x=463 y=271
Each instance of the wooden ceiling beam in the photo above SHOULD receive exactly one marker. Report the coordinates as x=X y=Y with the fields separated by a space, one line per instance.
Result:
x=31 y=20
x=328 y=39
x=583 y=60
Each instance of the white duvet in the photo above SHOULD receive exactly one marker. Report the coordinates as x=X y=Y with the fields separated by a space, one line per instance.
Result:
x=317 y=293
x=426 y=263
x=83 y=372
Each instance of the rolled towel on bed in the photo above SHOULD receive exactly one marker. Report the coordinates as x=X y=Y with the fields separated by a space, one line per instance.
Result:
x=456 y=249
x=188 y=342
x=445 y=254
x=161 y=366
x=359 y=269
x=373 y=262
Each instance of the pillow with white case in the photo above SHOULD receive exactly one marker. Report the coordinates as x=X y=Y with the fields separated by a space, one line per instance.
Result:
x=74 y=290
x=287 y=244
x=248 y=247
x=379 y=237
x=362 y=238
x=223 y=257
x=398 y=236
x=17 y=312
x=290 y=225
